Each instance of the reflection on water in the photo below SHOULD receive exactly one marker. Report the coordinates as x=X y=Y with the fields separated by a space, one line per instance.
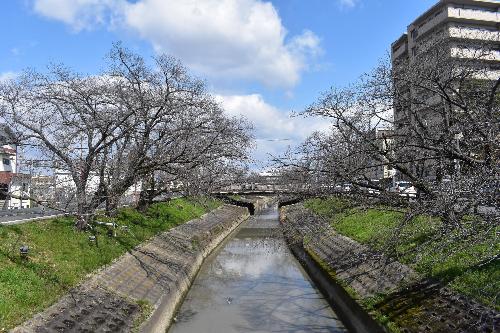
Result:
x=254 y=284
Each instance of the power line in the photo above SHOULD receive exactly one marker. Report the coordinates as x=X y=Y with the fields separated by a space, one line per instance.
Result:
x=274 y=140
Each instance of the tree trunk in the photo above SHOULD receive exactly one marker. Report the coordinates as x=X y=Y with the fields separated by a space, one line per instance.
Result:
x=145 y=200
x=82 y=210
x=147 y=194
x=111 y=206
x=82 y=220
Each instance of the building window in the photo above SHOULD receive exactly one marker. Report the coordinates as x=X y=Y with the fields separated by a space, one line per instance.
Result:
x=4 y=189
x=414 y=51
x=414 y=33
x=6 y=161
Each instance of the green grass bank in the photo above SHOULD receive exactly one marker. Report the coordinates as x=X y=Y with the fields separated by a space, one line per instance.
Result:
x=60 y=257
x=454 y=260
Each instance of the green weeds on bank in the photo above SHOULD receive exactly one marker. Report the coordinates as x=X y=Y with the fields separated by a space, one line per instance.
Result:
x=60 y=257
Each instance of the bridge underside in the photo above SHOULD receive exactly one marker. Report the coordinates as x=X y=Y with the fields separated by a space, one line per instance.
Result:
x=252 y=192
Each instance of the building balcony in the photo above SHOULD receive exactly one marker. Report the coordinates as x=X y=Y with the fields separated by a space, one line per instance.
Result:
x=473 y=33
x=475 y=54
x=480 y=14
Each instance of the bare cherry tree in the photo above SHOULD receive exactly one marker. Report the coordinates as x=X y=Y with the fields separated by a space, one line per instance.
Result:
x=112 y=131
x=182 y=133
x=434 y=120
x=69 y=118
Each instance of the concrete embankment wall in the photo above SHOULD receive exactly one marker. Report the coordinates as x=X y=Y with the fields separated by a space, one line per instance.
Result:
x=307 y=236
x=302 y=234
x=367 y=272
x=416 y=305
x=158 y=272
x=203 y=236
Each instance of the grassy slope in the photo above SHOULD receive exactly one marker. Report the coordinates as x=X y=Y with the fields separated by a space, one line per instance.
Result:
x=447 y=259
x=60 y=257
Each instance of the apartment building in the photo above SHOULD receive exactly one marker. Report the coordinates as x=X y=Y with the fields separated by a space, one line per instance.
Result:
x=467 y=26
x=465 y=31
x=461 y=21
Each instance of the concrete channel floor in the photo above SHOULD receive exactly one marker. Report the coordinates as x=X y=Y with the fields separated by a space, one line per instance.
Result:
x=252 y=283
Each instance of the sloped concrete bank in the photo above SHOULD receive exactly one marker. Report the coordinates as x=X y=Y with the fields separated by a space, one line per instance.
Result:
x=416 y=305
x=297 y=234
x=350 y=313
x=158 y=273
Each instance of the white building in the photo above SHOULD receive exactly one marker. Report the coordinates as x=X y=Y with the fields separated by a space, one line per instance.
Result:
x=14 y=186
x=63 y=188
x=42 y=188
x=461 y=22
x=380 y=167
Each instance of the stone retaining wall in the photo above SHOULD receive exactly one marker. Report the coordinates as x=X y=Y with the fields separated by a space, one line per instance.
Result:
x=158 y=273
x=415 y=305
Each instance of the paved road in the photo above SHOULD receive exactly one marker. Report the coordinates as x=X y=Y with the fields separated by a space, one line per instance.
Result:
x=17 y=216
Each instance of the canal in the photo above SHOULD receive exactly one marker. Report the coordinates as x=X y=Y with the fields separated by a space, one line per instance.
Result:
x=252 y=283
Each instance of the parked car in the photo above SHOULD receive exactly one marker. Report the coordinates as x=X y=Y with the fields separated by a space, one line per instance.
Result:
x=337 y=188
x=347 y=187
x=370 y=190
x=373 y=191
x=404 y=188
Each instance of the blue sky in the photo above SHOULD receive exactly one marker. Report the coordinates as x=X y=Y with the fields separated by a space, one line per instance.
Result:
x=262 y=59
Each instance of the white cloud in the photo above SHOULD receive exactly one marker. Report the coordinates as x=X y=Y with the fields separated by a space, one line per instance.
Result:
x=228 y=38
x=7 y=76
x=306 y=43
x=275 y=130
x=348 y=3
x=79 y=14
x=242 y=39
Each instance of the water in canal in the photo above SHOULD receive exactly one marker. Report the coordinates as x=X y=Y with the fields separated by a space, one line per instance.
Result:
x=252 y=283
